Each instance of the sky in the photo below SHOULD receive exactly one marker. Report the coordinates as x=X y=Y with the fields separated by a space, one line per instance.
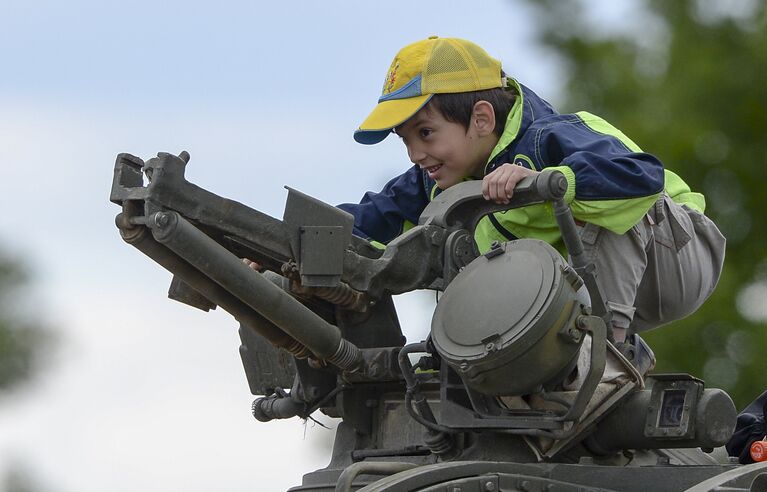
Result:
x=142 y=393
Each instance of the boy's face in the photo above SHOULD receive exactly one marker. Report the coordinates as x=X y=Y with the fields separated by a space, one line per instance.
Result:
x=446 y=150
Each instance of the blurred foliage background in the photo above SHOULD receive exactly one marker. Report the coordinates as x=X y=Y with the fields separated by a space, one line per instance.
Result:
x=688 y=85
x=26 y=343
x=23 y=339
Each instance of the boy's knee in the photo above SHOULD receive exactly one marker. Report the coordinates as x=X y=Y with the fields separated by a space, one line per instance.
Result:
x=622 y=316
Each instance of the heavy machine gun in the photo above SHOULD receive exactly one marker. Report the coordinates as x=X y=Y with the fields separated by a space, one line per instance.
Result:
x=518 y=386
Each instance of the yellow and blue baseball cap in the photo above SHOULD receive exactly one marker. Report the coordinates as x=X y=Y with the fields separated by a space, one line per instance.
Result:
x=420 y=70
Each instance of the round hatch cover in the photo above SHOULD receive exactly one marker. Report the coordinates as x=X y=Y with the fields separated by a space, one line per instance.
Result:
x=499 y=308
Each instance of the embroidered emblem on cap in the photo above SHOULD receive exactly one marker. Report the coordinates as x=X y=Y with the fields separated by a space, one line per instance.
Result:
x=391 y=78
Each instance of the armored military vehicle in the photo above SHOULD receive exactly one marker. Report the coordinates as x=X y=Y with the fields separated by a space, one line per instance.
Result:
x=519 y=386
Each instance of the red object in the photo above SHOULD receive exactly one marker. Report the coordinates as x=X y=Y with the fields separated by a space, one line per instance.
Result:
x=759 y=451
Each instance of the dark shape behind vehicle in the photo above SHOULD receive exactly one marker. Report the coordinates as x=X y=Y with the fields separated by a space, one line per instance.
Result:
x=750 y=428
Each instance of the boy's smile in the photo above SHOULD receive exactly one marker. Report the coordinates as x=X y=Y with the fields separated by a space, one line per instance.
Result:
x=446 y=150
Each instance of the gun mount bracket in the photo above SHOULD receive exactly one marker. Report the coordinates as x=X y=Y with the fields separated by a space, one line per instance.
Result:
x=318 y=235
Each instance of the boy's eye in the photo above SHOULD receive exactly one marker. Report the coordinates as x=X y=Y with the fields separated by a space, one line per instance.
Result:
x=424 y=132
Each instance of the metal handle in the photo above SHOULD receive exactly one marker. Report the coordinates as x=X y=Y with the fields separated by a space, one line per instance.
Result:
x=462 y=206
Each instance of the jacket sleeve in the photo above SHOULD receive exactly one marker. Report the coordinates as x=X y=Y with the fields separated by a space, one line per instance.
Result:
x=382 y=216
x=612 y=183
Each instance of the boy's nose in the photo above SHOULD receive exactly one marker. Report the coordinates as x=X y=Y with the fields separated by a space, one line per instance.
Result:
x=416 y=156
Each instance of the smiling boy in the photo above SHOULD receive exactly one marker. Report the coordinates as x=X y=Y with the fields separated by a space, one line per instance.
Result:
x=658 y=257
x=445 y=150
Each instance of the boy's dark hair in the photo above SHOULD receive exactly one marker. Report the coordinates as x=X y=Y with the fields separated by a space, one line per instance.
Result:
x=457 y=107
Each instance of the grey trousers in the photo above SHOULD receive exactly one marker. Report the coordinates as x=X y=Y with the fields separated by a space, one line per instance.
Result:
x=661 y=270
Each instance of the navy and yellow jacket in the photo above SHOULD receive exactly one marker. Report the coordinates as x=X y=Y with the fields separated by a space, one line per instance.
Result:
x=611 y=182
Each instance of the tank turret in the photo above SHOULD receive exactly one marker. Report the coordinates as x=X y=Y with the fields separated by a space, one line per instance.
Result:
x=518 y=387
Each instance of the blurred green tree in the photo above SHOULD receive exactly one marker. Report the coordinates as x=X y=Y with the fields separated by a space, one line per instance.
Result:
x=23 y=340
x=689 y=86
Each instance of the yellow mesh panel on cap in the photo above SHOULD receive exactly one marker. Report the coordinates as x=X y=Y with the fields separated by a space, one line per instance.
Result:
x=457 y=65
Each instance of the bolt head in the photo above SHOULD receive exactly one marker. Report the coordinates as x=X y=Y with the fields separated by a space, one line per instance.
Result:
x=161 y=219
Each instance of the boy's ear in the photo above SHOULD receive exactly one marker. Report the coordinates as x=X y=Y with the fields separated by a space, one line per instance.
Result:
x=483 y=118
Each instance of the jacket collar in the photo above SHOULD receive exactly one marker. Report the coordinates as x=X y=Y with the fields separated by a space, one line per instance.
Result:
x=527 y=108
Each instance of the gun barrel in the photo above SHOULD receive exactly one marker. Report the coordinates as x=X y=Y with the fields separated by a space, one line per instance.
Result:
x=250 y=287
x=141 y=239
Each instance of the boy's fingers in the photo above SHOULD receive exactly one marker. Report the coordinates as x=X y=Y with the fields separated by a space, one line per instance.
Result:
x=506 y=189
x=252 y=264
x=489 y=187
x=517 y=176
x=493 y=188
x=499 y=185
x=510 y=184
x=500 y=189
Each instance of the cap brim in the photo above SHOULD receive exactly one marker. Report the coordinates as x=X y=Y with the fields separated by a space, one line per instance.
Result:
x=387 y=115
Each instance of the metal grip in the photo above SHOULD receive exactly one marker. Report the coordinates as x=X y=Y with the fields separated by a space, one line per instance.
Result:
x=462 y=206
x=551 y=186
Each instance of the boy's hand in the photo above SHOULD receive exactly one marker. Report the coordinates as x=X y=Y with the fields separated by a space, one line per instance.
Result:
x=252 y=264
x=498 y=186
